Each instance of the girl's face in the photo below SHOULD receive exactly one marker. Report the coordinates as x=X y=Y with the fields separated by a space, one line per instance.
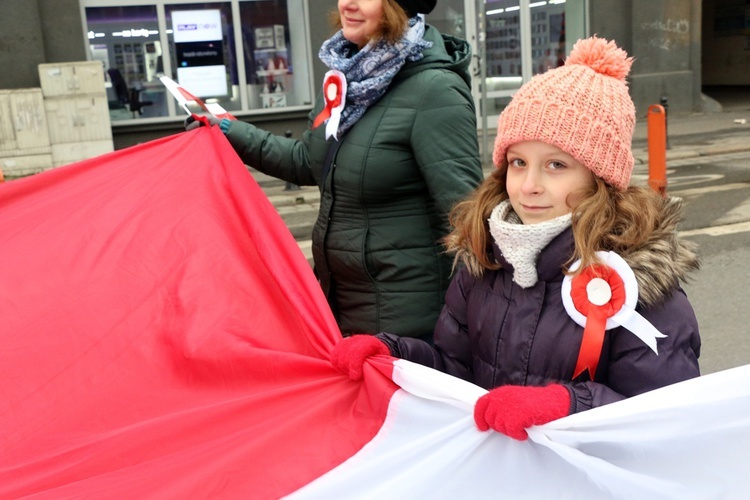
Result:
x=360 y=19
x=543 y=181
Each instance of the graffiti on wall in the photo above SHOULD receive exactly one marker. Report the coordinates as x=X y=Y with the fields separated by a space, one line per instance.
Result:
x=667 y=34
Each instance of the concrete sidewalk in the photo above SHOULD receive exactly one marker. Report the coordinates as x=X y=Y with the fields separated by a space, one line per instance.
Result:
x=698 y=135
x=688 y=136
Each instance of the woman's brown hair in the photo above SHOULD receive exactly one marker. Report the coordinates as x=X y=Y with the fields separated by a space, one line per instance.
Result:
x=604 y=219
x=392 y=27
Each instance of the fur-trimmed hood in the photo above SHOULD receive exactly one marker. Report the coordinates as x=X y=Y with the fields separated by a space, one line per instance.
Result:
x=665 y=260
x=660 y=265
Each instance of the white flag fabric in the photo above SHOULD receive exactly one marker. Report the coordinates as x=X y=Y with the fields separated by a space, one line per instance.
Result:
x=687 y=441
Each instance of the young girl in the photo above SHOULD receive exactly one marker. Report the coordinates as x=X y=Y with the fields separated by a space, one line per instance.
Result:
x=569 y=296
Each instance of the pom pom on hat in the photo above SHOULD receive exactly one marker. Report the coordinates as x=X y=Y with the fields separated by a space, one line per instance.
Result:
x=414 y=7
x=582 y=107
x=602 y=56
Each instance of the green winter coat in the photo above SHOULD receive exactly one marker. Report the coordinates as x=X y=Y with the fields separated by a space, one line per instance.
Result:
x=385 y=200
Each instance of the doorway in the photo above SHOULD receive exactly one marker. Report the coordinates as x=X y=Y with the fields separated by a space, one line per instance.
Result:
x=725 y=31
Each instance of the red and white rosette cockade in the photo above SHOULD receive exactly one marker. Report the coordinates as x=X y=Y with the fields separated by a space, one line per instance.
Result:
x=334 y=94
x=599 y=298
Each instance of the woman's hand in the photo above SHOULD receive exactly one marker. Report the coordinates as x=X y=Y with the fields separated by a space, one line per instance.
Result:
x=194 y=121
x=350 y=353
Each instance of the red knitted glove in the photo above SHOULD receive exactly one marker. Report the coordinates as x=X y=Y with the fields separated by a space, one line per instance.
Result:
x=511 y=409
x=349 y=354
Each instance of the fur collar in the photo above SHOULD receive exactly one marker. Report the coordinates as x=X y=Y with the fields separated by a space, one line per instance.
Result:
x=665 y=260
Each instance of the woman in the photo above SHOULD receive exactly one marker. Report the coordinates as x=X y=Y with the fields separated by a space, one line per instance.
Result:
x=570 y=295
x=405 y=149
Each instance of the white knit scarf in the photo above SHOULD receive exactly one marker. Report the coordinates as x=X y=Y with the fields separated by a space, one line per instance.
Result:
x=522 y=243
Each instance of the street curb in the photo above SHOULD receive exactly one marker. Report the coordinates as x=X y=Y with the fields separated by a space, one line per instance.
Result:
x=726 y=149
x=642 y=158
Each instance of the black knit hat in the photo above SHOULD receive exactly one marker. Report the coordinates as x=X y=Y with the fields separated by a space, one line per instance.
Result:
x=414 y=7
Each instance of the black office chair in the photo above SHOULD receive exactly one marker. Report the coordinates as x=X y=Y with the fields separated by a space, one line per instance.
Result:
x=120 y=88
x=135 y=104
x=126 y=97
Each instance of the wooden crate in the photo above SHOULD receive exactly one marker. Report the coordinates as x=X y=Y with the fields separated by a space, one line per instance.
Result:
x=78 y=119
x=23 y=123
x=72 y=78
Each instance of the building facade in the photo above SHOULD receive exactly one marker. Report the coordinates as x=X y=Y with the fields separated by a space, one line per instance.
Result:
x=258 y=58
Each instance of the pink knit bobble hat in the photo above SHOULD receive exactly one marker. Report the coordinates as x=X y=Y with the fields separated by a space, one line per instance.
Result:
x=582 y=107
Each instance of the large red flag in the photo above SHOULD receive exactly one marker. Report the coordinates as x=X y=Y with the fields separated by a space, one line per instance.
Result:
x=159 y=326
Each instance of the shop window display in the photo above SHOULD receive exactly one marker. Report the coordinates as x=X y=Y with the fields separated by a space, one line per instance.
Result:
x=202 y=51
x=125 y=40
x=269 y=56
x=266 y=66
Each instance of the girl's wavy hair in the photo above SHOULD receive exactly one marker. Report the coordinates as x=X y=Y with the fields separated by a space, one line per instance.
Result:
x=604 y=219
x=392 y=27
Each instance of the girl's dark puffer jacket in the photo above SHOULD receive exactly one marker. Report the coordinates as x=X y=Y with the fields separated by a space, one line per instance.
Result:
x=492 y=332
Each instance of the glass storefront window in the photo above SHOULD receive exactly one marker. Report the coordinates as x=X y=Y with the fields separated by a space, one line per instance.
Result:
x=269 y=61
x=503 y=40
x=126 y=41
x=261 y=61
x=245 y=55
x=502 y=51
x=523 y=38
x=202 y=51
x=547 y=35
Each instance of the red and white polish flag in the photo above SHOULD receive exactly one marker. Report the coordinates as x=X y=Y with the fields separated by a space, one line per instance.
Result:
x=162 y=336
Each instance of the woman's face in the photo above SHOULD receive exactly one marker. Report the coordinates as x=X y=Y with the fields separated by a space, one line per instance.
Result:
x=360 y=19
x=543 y=181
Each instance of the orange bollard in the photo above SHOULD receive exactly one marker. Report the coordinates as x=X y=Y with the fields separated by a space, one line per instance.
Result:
x=2 y=178
x=657 y=149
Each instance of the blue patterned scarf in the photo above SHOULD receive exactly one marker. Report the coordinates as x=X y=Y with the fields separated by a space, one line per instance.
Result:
x=369 y=72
